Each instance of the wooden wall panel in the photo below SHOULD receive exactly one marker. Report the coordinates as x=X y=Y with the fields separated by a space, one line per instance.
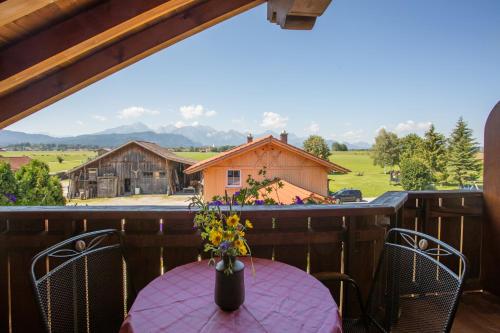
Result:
x=279 y=163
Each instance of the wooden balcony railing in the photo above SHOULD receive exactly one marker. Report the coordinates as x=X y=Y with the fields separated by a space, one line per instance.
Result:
x=342 y=238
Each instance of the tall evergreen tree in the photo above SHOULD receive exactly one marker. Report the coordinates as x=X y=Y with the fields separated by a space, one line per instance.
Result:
x=386 y=150
x=463 y=164
x=435 y=153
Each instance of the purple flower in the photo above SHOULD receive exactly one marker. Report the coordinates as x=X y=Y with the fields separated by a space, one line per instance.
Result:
x=298 y=200
x=224 y=246
x=237 y=193
x=258 y=202
x=215 y=203
x=11 y=197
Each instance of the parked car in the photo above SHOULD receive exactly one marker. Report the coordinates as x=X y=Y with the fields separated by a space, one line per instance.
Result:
x=347 y=196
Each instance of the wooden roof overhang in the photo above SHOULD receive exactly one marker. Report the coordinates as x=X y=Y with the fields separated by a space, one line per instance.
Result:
x=50 y=49
x=246 y=147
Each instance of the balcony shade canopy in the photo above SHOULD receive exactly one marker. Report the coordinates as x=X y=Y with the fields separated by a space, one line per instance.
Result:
x=50 y=49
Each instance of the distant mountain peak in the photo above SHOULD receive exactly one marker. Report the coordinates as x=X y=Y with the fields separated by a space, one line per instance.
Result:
x=136 y=127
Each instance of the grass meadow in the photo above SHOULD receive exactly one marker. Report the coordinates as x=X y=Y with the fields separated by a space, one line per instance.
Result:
x=71 y=159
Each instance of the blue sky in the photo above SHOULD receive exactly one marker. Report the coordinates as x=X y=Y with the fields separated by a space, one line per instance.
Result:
x=367 y=64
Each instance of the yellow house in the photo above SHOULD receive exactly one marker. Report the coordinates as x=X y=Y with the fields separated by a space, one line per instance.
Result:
x=229 y=170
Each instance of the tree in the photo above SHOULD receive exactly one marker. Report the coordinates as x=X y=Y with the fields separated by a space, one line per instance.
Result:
x=463 y=164
x=412 y=146
x=36 y=187
x=316 y=145
x=415 y=175
x=337 y=146
x=386 y=150
x=60 y=159
x=435 y=153
x=8 y=186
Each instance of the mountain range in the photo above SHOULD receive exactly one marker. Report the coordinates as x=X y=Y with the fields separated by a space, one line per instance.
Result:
x=166 y=136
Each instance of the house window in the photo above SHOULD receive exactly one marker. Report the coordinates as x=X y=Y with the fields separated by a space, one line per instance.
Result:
x=147 y=174
x=233 y=178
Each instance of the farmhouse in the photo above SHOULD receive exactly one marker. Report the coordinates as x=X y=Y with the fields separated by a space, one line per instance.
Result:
x=133 y=168
x=303 y=172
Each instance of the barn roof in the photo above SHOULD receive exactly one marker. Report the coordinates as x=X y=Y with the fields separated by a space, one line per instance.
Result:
x=150 y=146
x=50 y=49
x=249 y=146
x=288 y=193
x=16 y=162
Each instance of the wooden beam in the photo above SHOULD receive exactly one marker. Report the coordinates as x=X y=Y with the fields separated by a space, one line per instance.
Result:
x=490 y=268
x=77 y=36
x=295 y=14
x=12 y=10
x=107 y=60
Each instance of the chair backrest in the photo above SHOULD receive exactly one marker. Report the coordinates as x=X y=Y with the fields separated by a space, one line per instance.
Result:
x=80 y=284
x=417 y=284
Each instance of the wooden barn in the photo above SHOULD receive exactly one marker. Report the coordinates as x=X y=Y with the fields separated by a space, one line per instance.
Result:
x=228 y=171
x=136 y=167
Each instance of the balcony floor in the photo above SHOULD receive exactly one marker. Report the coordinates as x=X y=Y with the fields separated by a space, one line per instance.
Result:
x=478 y=312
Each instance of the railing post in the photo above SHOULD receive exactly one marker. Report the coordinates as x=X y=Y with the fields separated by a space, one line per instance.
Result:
x=350 y=248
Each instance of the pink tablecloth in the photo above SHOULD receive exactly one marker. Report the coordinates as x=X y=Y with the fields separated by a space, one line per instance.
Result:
x=279 y=298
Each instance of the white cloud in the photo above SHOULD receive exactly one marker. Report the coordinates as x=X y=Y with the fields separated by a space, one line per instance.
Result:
x=79 y=122
x=312 y=128
x=271 y=120
x=136 y=112
x=351 y=135
x=195 y=111
x=99 y=118
x=411 y=126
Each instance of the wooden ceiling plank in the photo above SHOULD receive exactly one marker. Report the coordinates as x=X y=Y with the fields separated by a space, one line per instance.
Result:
x=44 y=52
x=103 y=62
x=12 y=10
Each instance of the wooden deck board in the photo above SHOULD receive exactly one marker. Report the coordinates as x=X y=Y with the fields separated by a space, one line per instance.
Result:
x=477 y=312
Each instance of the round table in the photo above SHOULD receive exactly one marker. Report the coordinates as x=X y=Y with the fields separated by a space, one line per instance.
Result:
x=279 y=298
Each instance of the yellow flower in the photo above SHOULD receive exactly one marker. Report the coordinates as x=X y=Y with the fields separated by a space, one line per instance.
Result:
x=241 y=233
x=243 y=250
x=215 y=237
x=233 y=220
x=238 y=243
x=228 y=235
x=248 y=224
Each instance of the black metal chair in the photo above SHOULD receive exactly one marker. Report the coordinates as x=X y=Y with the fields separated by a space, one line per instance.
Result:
x=416 y=287
x=80 y=284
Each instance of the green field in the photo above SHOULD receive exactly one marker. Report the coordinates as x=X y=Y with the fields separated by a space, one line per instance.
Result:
x=195 y=155
x=365 y=176
x=71 y=159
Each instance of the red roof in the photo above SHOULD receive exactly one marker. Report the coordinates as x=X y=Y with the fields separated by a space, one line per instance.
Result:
x=256 y=144
x=287 y=194
x=16 y=162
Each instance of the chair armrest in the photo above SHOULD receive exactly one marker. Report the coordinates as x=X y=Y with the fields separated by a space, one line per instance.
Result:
x=341 y=277
x=334 y=276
